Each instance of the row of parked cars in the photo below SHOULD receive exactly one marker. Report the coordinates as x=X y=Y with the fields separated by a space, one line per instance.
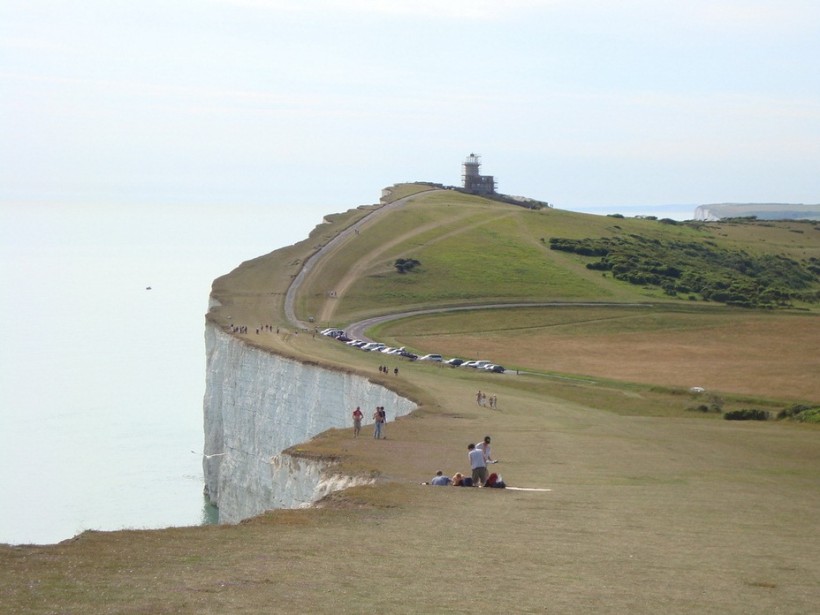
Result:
x=339 y=335
x=456 y=362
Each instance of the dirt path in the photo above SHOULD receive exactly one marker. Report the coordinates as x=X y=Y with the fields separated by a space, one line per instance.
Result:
x=330 y=248
x=355 y=272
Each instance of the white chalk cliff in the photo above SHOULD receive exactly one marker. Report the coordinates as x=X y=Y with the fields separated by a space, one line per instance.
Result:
x=257 y=404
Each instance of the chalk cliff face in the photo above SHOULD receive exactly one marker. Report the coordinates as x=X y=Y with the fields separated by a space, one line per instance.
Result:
x=257 y=404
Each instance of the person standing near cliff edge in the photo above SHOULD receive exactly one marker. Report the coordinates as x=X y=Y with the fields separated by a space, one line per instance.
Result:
x=378 y=420
x=357 y=421
x=383 y=415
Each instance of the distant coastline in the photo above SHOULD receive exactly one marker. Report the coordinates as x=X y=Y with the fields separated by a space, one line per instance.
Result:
x=708 y=212
x=762 y=211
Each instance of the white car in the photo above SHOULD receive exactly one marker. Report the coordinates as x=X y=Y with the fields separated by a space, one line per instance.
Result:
x=431 y=357
x=476 y=364
x=372 y=346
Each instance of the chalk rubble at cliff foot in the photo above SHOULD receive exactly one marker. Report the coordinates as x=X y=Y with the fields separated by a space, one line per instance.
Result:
x=257 y=404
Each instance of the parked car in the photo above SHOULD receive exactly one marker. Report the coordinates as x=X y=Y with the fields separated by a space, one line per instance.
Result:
x=454 y=362
x=372 y=346
x=494 y=367
x=409 y=355
x=476 y=364
x=431 y=357
x=332 y=332
x=389 y=350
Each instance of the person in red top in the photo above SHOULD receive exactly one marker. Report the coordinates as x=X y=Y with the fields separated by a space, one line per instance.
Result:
x=357 y=421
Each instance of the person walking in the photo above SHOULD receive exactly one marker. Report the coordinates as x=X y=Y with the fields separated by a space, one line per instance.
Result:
x=378 y=421
x=357 y=421
x=476 y=457
x=383 y=416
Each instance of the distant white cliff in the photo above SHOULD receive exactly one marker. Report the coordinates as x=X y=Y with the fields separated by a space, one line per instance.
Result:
x=762 y=211
x=257 y=404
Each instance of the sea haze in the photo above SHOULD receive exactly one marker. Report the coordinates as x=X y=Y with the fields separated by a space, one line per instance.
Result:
x=673 y=212
x=102 y=379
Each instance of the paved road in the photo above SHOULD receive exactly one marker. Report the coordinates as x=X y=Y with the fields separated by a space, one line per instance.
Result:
x=356 y=330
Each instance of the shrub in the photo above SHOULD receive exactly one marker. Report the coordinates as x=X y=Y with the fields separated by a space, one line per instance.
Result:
x=810 y=416
x=403 y=265
x=801 y=413
x=704 y=408
x=749 y=414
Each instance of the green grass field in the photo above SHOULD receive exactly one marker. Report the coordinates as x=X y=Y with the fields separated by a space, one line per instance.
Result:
x=655 y=507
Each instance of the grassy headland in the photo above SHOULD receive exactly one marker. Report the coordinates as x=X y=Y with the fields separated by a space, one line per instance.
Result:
x=656 y=504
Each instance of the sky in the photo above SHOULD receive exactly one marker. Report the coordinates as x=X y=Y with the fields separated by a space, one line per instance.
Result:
x=312 y=106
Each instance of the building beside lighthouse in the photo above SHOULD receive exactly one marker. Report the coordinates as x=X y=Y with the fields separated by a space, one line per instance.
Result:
x=474 y=181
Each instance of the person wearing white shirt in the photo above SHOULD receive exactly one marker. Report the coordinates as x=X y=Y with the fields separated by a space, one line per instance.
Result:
x=477 y=464
x=484 y=447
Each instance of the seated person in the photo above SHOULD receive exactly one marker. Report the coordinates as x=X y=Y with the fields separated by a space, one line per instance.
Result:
x=494 y=480
x=440 y=479
x=457 y=479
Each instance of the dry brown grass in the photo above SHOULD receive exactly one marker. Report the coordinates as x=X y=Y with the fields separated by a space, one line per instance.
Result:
x=771 y=355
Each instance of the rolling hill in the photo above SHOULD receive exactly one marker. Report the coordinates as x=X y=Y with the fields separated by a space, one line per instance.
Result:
x=644 y=501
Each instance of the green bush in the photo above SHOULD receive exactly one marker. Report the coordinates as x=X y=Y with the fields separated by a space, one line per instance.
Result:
x=749 y=414
x=403 y=265
x=801 y=413
x=696 y=268
x=704 y=408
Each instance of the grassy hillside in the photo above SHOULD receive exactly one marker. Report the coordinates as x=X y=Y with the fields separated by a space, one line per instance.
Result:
x=655 y=505
x=471 y=250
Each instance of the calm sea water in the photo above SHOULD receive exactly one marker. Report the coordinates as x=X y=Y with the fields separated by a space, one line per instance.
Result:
x=101 y=379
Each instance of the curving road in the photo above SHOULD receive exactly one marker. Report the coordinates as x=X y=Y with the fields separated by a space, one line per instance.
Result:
x=356 y=330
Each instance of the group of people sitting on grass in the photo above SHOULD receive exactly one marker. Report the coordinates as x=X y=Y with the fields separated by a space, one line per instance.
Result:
x=479 y=456
x=459 y=480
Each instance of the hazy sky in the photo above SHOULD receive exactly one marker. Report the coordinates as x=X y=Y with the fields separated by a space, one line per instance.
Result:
x=324 y=102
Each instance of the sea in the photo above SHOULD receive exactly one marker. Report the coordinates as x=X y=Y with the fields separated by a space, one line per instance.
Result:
x=102 y=356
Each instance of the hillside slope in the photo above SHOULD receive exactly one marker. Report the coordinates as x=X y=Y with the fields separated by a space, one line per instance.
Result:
x=645 y=502
x=473 y=250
